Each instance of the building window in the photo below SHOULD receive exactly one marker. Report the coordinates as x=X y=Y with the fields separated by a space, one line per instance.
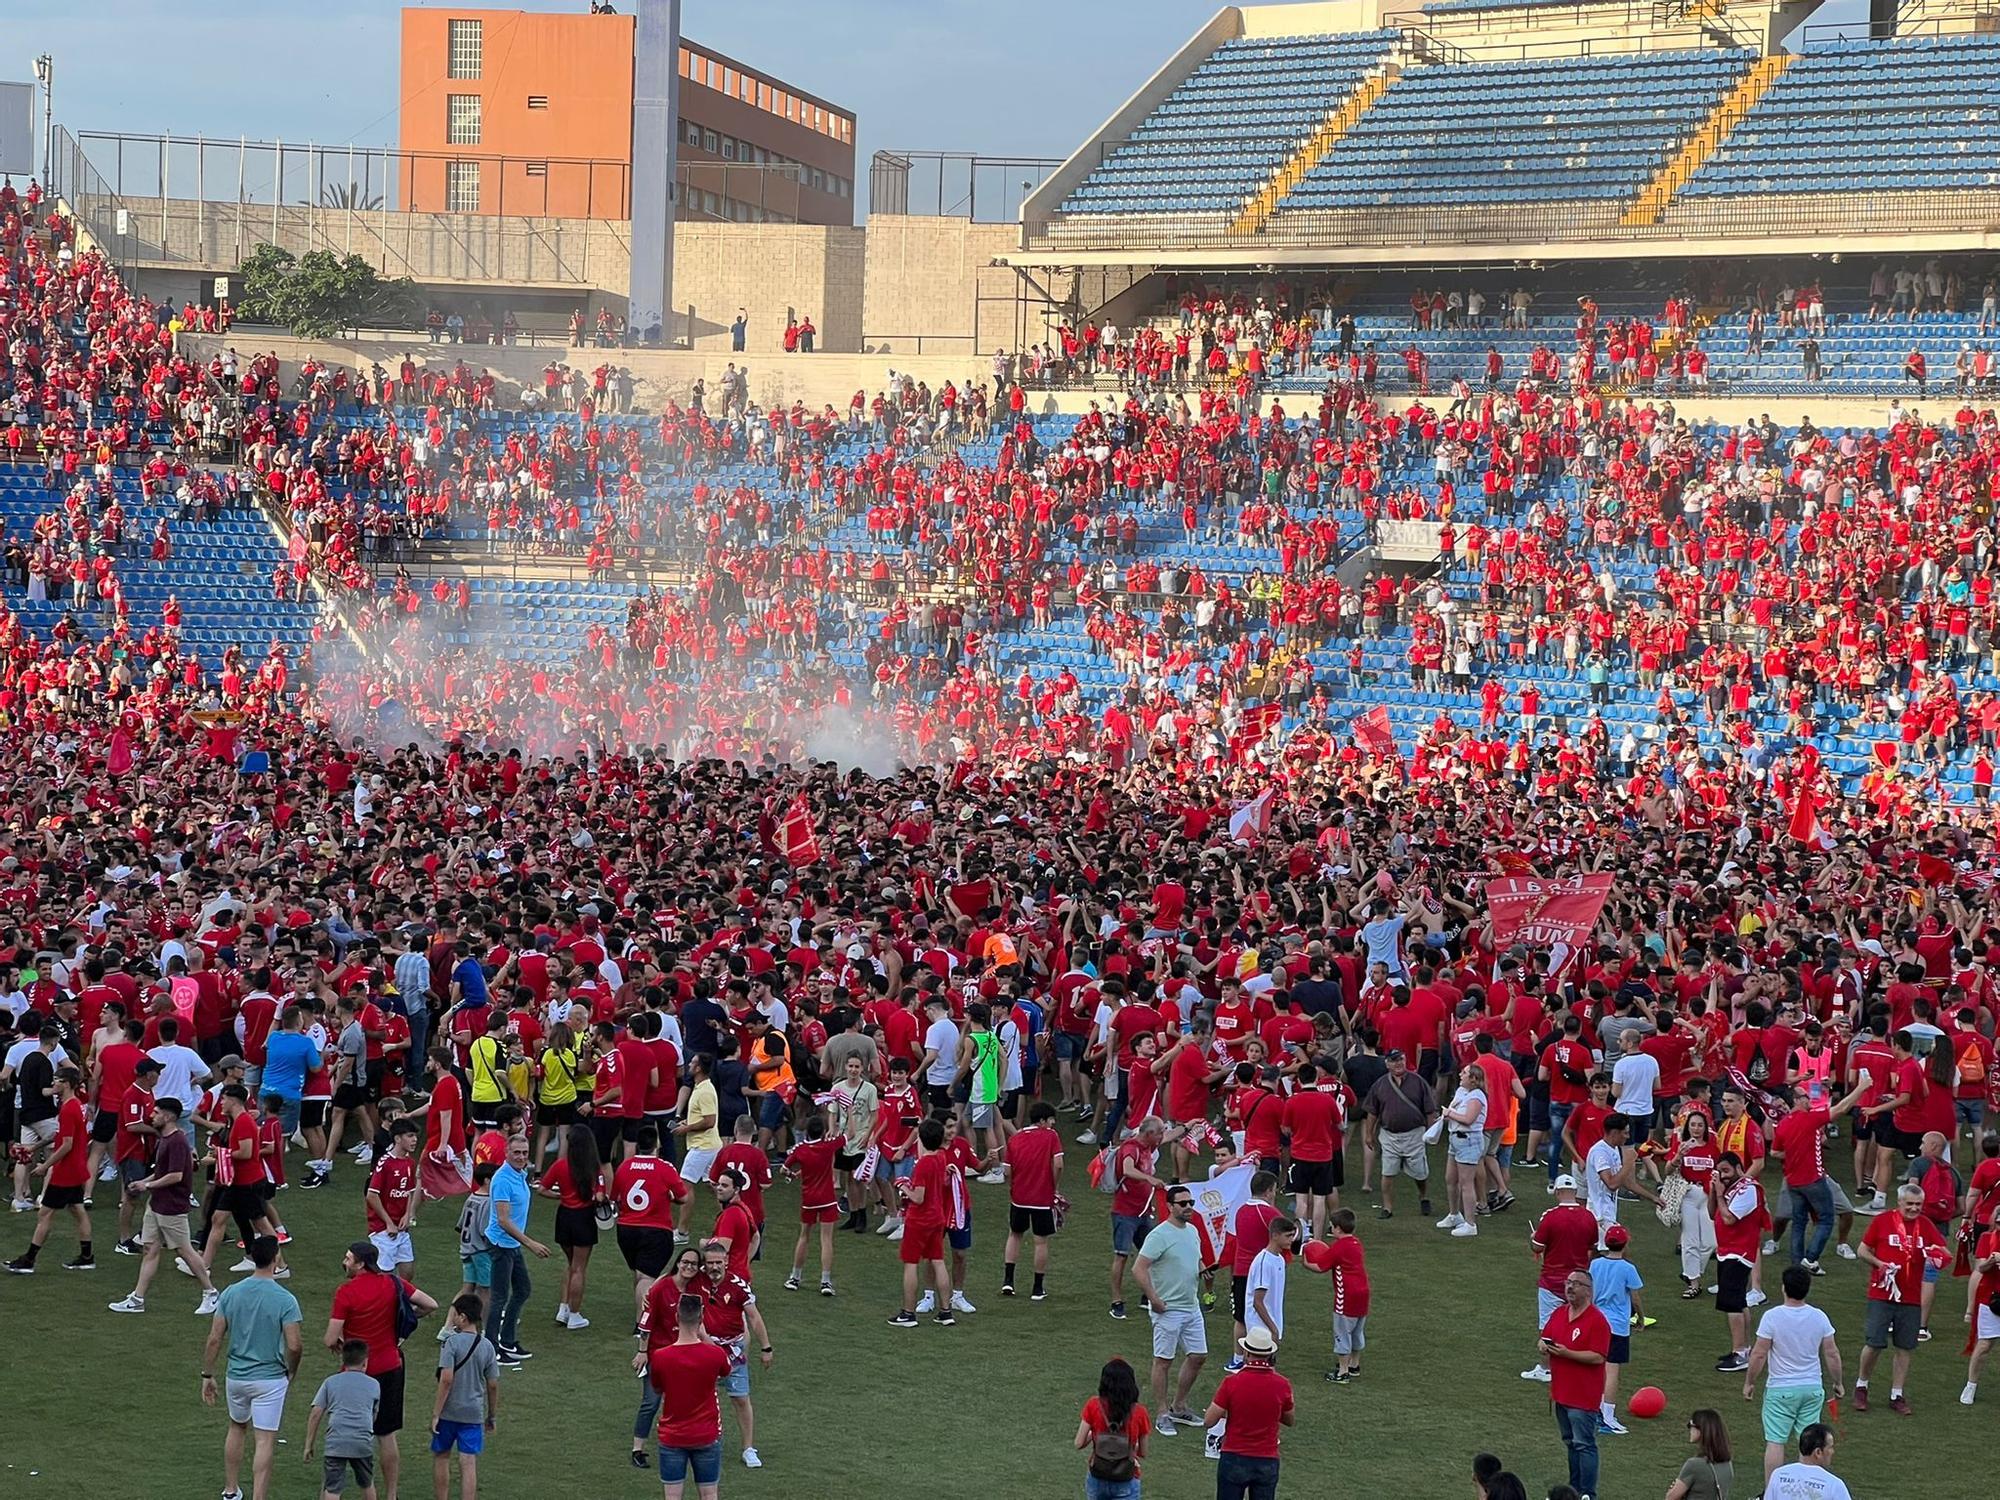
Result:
x=728 y=80
x=692 y=133
x=538 y=101
x=461 y=187
x=462 y=119
x=536 y=168
x=711 y=143
x=818 y=181
x=729 y=148
x=764 y=96
x=465 y=48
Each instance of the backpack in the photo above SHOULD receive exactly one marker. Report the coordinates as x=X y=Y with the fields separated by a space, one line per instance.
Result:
x=1111 y=1456
x=1759 y=1070
x=407 y=1316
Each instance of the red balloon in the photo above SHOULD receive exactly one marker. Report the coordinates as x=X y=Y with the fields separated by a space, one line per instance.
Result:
x=1648 y=1401
x=1318 y=1255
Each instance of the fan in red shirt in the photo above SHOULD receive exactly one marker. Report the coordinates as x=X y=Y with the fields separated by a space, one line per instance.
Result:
x=647 y=1189
x=733 y=1224
x=392 y=1197
x=1313 y=1118
x=811 y=1161
x=1899 y=1248
x=1347 y=1264
x=68 y=1178
x=687 y=1374
x=927 y=1196
x=1565 y=1237
x=1033 y=1157
x=1575 y=1340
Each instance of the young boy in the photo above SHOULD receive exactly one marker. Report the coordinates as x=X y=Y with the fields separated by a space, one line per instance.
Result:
x=271 y=1141
x=475 y=1250
x=1616 y=1283
x=345 y=1408
x=1348 y=1267
x=1264 y=1291
x=468 y=1398
x=811 y=1161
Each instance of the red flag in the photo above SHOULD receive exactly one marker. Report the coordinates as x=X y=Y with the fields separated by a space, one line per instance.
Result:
x=1249 y=821
x=1885 y=753
x=1553 y=914
x=1937 y=871
x=1513 y=862
x=1255 y=725
x=1372 y=732
x=1805 y=825
x=798 y=839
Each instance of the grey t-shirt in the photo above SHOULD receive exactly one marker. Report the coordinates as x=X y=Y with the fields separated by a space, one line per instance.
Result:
x=349 y=1400
x=353 y=1045
x=470 y=1358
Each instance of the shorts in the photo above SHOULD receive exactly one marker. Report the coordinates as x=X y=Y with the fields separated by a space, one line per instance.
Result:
x=41 y=1132
x=243 y=1202
x=466 y=1437
x=1128 y=1231
x=1068 y=1047
x=1987 y=1324
x=1789 y=1410
x=1546 y=1303
x=1970 y=1111
x=393 y=1249
x=1620 y=1352
x=132 y=1170
x=647 y=1250
x=1239 y=1296
x=104 y=1126
x=1179 y=1332
x=1909 y=1142
x=1732 y=1286
x=169 y=1231
x=1490 y=1142
x=737 y=1381
x=389 y=1406
x=289 y=1112
x=1010 y=1104
x=556 y=1114
x=959 y=1239
x=351 y=1096
x=333 y=1476
x=258 y=1403
x=1403 y=1155
x=695 y=1166
x=56 y=1196
x=1315 y=1178
x=706 y=1463
x=576 y=1228
x=921 y=1244
x=1642 y=1125
x=1350 y=1335
x=826 y=1214
x=846 y=1161
x=1468 y=1148
x=1040 y=1222
x=1891 y=1322
x=937 y=1098
x=772 y=1112
x=313 y=1114
x=982 y=1116
x=484 y=1111
x=477 y=1268
x=894 y=1171
x=1538 y=1109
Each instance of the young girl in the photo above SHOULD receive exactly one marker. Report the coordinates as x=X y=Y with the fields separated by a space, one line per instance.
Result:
x=1693 y=1160
x=576 y=1182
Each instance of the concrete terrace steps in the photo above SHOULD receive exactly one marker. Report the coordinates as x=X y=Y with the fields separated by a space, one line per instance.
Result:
x=1652 y=202
x=1341 y=119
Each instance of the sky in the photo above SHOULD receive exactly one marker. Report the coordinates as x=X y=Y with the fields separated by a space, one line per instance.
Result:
x=944 y=75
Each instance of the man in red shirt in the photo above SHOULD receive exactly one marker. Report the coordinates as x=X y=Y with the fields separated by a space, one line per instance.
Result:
x=1899 y=1248
x=1575 y=1340
x=239 y=1179
x=364 y=1308
x=1566 y=1066
x=1256 y=1401
x=1565 y=1238
x=1033 y=1158
x=66 y=1179
x=1313 y=1118
x=1801 y=1139
x=132 y=1146
x=1898 y=1109
x=734 y=1227
x=392 y=1198
x=926 y=1196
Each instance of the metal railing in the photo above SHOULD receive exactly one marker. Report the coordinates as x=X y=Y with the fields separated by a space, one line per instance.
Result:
x=954 y=184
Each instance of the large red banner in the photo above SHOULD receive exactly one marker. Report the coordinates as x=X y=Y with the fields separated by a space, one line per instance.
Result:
x=1556 y=915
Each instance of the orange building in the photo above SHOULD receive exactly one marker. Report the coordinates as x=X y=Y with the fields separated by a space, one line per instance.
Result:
x=530 y=113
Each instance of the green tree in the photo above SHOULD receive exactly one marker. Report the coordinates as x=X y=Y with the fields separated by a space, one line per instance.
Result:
x=320 y=294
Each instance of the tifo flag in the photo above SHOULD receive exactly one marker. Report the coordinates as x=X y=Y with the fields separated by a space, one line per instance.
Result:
x=1248 y=822
x=1216 y=1200
x=1885 y=753
x=1513 y=862
x=798 y=840
x=1805 y=825
x=1556 y=915
x=1936 y=871
x=1372 y=732
x=1255 y=725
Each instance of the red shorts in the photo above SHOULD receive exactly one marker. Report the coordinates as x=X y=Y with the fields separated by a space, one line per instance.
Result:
x=828 y=1215
x=921 y=1244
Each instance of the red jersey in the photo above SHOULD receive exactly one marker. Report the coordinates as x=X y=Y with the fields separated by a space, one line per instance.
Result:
x=74 y=1169
x=394 y=1181
x=1349 y=1270
x=1572 y=1384
x=1313 y=1120
x=1033 y=1155
x=1902 y=1246
x=646 y=1188
x=932 y=1176
x=755 y=1169
x=1566 y=1236
x=734 y=1224
x=685 y=1375
x=135 y=1109
x=812 y=1163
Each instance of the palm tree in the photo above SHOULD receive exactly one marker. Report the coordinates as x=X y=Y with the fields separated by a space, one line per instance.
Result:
x=348 y=196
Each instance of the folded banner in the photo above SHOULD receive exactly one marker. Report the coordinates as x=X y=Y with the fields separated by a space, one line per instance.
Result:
x=1249 y=821
x=1373 y=734
x=1556 y=915
x=798 y=839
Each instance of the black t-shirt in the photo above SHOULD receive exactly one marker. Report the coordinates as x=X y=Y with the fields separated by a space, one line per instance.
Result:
x=36 y=1074
x=704 y=1024
x=1362 y=1071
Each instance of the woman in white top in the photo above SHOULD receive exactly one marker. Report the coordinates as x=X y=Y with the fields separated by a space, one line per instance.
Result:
x=1465 y=1133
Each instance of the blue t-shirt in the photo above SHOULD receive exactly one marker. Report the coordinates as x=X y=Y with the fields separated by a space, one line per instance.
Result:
x=1612 y=1283
x=510 y=1188
x=471 y=981
x=288 y=1057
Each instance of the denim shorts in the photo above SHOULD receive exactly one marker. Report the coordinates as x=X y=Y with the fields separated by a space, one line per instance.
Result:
x=1068 y=1047
x=478 y=1268
x=1127 y=1231
x=737 y=1381
x=706 y=1463
x=772 y=1112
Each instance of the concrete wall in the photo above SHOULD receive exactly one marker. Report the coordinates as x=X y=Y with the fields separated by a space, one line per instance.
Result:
x=768 y=270
x=934 y=279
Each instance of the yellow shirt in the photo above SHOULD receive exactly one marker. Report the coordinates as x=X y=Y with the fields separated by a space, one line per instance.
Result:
x=487 y=1066
x=702 y=1104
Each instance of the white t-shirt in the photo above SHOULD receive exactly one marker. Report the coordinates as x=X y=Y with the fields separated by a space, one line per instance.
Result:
x=1602 y=1201
x=181 y=1071
x=1633 y=1080
x=1266 y=1271
x=942 y=1038
x=1806 y=1482
x=1795 y=1334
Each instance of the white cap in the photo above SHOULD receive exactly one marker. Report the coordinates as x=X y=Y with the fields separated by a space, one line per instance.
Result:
x=1565 y=1183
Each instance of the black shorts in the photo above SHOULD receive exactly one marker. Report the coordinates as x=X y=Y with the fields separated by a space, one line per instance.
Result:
x=1863 y=1126
x=1732 y=1286
x=1317 y=1178
x=371 y=1076
x=846 y=1161
x=1239 y=1296
x=556 y=1114
x=646 y=1250
x=313 y=1114
x=1040 y=1222
x=104 y=1127
x=1909 y=1142
x=244 y=1202
x=1620 y=1352
x=389 y=1405
x=1010 y=1105
x=937 y=1098
x=351 y=1096
x=605 y=1128
x=576 y=1228
x=55 y=1196
x=484 y=1112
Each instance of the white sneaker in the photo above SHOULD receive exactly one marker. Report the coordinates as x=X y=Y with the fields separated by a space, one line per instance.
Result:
x=1769 y=1247
x=182 y=1266
x=358 y=1147
x=365 y=1155
x=928 y=1303
x=1088 y=1138
x=896 y=1234
x=1877 y=1204
x=751 y=1459
x=562 y=1314
x=1540 y=1373
x=245 y=1264
x=134 y=1303
x=1611 y=1425
x=890 y=1225
x=24 y=1205
x=108 y=1172
x=577 y=1322
x=1465 y=1231
x=1755 y=1299
x=996 y=1175
x=1450 y=1221
x=959 y=1304
x=1965 y=1397
x=209 y=1301
x=1845 y=1252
